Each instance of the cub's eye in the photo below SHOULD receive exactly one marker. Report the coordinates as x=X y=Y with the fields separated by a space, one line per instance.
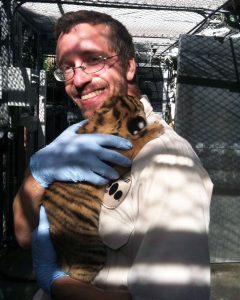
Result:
x=136 y=125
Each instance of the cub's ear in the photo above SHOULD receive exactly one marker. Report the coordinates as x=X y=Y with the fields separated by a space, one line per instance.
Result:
x=136 y=125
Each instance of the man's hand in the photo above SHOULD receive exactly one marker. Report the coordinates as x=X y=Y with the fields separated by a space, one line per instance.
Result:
x=79 y=157
x=43 y=255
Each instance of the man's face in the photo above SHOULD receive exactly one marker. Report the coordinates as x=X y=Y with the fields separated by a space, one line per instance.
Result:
x=89 y=91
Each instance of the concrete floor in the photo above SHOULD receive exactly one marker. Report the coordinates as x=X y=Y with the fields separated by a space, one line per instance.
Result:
x=225 y=281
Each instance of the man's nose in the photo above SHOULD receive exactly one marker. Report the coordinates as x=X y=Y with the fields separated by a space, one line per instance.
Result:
x=80 y=78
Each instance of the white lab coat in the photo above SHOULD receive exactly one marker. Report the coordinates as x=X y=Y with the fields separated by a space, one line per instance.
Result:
x=155 y=223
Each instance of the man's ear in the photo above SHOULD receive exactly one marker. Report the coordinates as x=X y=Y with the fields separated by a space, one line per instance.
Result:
x=131 y=70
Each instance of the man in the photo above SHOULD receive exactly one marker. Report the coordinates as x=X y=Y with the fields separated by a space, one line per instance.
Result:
x=157 y=233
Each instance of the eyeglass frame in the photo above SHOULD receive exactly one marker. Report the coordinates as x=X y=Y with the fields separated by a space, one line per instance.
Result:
x=82 y=67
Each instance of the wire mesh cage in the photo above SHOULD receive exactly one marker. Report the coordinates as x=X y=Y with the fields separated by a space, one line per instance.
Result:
x=207 y=115
x=188 y=63
x=208 y=110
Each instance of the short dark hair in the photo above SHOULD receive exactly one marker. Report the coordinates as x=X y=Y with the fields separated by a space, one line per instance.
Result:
x=120 y=39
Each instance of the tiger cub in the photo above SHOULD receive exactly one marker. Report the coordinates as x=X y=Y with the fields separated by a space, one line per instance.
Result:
x=73 y=209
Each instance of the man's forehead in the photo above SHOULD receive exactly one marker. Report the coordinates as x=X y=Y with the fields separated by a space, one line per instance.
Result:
x=84 y=38
x=87 y=29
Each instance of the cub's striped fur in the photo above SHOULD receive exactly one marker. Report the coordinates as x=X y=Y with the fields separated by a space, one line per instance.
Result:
x=73 y=208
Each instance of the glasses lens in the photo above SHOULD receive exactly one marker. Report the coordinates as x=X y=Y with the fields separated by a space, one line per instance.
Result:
x=93 y=65
x=58 y=74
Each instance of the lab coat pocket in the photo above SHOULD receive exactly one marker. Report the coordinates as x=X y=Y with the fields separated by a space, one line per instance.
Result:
x=114 y=231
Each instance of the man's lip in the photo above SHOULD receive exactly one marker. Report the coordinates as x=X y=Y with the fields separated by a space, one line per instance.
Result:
x=92 y=94
x=92 y=98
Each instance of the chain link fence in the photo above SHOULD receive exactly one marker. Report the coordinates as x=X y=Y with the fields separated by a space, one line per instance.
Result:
x=191 y=79
x=208 y=104
x=208 y=116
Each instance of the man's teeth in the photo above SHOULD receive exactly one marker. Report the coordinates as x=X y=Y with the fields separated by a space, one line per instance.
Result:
x=91 y=95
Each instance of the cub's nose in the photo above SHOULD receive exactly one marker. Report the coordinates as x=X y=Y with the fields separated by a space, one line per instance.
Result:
x=136 y=125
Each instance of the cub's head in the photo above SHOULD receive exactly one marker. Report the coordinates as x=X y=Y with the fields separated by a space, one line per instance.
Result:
x=122 y=115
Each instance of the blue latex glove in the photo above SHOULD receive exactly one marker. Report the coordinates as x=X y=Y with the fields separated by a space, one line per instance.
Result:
x=79 y=157
x=43 y=255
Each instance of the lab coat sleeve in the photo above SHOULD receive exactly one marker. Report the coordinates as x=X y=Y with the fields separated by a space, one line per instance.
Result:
x=172 y=262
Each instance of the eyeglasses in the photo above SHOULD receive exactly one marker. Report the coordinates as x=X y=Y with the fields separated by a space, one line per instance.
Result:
x=92 y=64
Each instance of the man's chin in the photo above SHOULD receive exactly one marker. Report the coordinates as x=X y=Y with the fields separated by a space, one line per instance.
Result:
x=87 y=113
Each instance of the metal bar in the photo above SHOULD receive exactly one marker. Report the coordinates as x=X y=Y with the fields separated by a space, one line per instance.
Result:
x=201 y=10
x=42 y=109
x=197 y=27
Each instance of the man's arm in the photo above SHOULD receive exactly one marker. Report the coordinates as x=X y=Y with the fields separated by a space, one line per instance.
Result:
x=26 y=209
x=68 y=288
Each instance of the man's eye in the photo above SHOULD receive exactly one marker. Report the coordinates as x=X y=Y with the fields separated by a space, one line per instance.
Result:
x=66 y=69
x=93 y=60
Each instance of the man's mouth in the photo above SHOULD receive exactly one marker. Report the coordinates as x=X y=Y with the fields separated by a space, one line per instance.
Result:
x=92 y=94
